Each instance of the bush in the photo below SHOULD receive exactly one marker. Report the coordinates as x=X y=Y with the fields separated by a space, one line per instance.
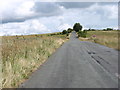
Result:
x=82 y=33
x=91 y=29
x=64 y=32
x=67 y=34
x=79 y=33
x=69 y=30
x=108 y=29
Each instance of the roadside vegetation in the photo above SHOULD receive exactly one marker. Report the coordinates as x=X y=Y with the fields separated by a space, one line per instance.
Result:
x=78 y=28
x=106 y=38
x=67 y=32
x=21 y=55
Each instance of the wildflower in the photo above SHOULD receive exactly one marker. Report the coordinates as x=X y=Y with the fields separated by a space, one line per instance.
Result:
x=94 y=36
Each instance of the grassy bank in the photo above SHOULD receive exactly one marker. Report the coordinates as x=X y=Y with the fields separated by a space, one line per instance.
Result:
x=21 y=55
x=107 y=38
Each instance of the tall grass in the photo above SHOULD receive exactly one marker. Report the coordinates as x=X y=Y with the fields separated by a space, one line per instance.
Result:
x=21 y=55
x=0 y=64
x=107 y=38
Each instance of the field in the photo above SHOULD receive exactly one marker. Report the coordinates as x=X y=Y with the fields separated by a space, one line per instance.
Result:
x=21 y=55
x=107 y=38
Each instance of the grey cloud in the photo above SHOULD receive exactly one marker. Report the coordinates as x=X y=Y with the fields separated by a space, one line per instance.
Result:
x=16 y=19
x=47 y=9
x=12 y=20
x=83 y=4
x=40 y=9
x=108 y=3
x=75 y=4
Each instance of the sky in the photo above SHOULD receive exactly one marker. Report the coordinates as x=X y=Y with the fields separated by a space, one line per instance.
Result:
x=24 y=17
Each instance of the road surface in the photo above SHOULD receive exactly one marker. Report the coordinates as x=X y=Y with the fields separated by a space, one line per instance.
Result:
x=77 y=64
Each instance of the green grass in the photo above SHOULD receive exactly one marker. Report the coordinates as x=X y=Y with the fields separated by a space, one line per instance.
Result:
x=107 y=38
x=21 y=55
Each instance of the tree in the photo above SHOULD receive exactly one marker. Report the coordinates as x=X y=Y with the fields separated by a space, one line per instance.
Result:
x=77 y=27
x=109 y=29
x=69 y=30
x=64 y=32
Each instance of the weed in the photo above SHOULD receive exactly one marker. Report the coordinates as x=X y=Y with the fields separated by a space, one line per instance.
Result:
x=21 y=55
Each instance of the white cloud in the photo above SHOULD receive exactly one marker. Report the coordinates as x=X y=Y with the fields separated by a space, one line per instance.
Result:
x=25 y=9
x=27 y=27
x=64 y=27
x=96 y=16
x=113 y=10
x=109 y=10
x=15 y=9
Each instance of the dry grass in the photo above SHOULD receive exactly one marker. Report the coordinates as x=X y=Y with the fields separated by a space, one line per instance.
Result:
x=107 y=38
x=21 y=55
x=0 y=64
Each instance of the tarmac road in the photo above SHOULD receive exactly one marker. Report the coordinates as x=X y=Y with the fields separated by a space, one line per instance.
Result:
x=77 y=64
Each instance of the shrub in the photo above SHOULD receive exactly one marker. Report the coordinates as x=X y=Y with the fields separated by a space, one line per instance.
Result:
x=64 y=32
x=69 y=30
x=108 y=29
x=67 y=34
x=82 y=33
x=91 y=29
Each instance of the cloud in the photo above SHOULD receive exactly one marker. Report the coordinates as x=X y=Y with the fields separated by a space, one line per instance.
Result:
x=75 y=4
x=20 y=10
x=24 y=28
x=47 y=9
x=96 y=16
x=108 y=10
x=16 y=10
x=24 y=10
x=30 y=17
x=64 y=27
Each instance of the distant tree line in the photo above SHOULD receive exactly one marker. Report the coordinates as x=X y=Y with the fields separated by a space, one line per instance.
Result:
x=82 y=33
x=107 y=29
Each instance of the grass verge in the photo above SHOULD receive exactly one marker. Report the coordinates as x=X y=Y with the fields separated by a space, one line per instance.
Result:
x=106 y=38
x=21 y=55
